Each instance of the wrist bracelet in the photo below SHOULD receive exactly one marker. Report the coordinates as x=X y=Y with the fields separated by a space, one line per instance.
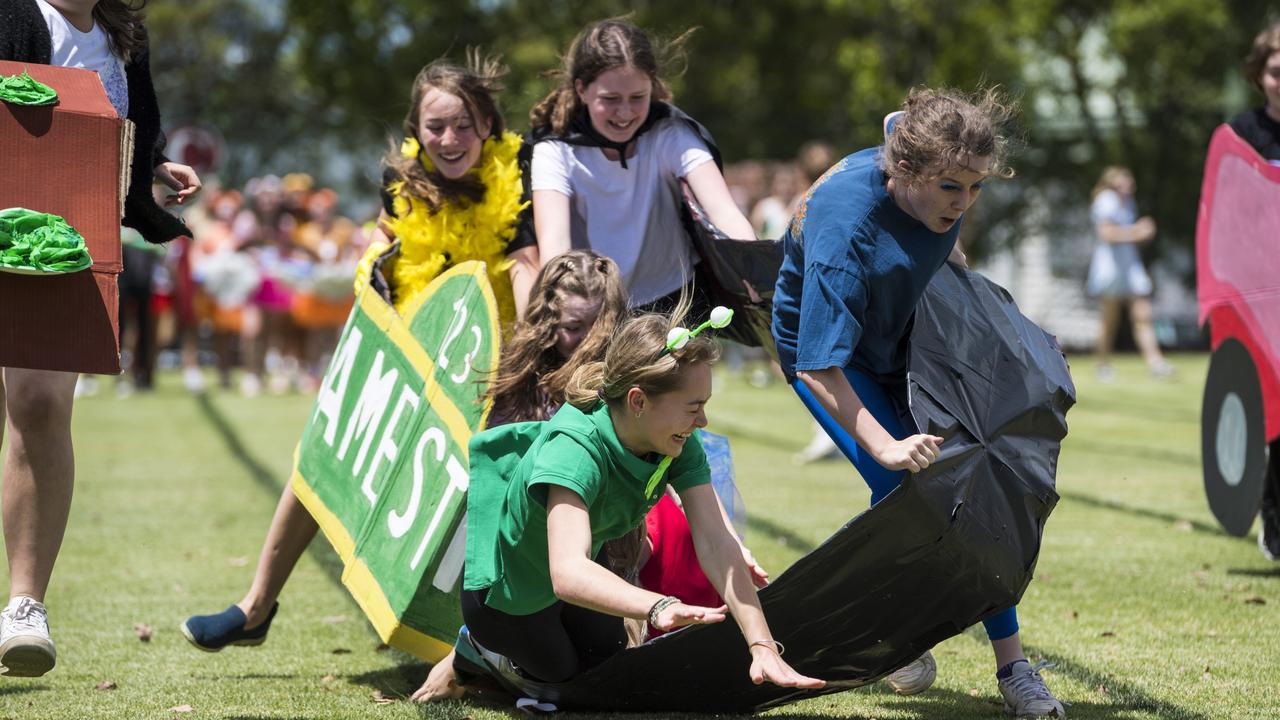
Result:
x=659 y=606
x=774 y=644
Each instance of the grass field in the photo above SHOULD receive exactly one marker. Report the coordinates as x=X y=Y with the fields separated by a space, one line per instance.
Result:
x=1145 y=607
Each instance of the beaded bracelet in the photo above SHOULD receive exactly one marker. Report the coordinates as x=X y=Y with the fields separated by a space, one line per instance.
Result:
x=777 y=646
x=659 y=606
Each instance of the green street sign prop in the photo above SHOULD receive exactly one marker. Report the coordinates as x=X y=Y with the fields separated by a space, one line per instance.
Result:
x=382 y=464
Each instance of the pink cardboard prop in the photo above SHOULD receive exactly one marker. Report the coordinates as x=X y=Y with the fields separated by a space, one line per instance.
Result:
x=1238 y=263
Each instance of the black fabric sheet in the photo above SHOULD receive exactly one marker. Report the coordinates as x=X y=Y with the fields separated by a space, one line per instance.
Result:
x=950 y=547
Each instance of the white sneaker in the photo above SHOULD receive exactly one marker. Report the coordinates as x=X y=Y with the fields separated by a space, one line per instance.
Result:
x=26 y=650
x=914 y=677
x=821 y=446
x=1026 y=695
x=250 y=385
x=193 y=380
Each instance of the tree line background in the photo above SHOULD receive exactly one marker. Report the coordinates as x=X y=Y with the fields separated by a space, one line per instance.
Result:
x=322 y=85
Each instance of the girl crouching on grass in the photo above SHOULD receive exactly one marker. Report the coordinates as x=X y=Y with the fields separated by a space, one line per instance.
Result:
x=545 y=497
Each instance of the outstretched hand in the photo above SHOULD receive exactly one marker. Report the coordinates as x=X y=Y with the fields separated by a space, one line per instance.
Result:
x=768 y=666
x=677 y=615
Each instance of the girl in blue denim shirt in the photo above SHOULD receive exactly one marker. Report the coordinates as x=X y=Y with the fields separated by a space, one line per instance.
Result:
x=863 y=245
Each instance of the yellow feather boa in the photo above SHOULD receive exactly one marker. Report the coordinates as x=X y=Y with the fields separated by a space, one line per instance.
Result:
x=432 y=242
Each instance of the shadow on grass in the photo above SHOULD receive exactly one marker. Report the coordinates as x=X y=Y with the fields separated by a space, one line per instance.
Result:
x=1130 y=451
x=1144 y=412
x=266 y=479
x=1140 y=512
x=8 y=689
x=1272 y=572
x=1126 y=698
x=779 y=533
x=403 y=679
x=742 y=432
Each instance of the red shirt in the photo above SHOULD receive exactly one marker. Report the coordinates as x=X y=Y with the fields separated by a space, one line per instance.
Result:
x=673 y=567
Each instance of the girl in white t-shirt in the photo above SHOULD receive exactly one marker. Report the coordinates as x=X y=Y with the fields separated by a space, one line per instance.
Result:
x=608 y=158
x=106 y=36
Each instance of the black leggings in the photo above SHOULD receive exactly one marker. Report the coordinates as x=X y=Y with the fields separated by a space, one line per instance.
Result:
x=551 y=645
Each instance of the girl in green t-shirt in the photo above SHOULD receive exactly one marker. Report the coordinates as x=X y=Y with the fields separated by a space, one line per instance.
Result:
x=545 y=497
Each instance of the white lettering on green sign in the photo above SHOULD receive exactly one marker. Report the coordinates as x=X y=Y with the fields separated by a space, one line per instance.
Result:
x=367 y=414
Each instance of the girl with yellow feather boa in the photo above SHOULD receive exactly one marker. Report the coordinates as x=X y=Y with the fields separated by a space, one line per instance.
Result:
x=454 y=192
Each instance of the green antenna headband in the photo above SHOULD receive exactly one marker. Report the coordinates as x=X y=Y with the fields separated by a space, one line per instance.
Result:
x=678 y=337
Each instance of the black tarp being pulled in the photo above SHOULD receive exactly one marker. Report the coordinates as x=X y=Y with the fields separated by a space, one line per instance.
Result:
x=950 y=547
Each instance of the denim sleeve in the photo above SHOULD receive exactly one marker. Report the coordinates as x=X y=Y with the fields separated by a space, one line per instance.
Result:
x=833 y=305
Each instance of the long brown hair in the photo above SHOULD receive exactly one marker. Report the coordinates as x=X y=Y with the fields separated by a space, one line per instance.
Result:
x=531 y=372
x=122 y=21
x=599 y=48
x=475 y=84
x=941 y=128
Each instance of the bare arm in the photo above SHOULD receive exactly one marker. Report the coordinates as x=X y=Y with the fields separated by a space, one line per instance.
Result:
x=712 y=193
x=722 y=563
x=523 y=272
x=579 y=580
x=551 y=223
x=837 y=397
x=1141 y=231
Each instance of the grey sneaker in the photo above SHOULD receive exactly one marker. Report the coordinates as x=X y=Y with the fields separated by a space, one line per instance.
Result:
x=1026 y=695
x=26 y=650
x=915 y=677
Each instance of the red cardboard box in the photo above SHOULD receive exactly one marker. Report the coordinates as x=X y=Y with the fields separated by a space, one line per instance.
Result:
x=70 y=159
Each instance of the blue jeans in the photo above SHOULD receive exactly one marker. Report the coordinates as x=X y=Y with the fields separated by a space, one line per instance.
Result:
x=882 y=407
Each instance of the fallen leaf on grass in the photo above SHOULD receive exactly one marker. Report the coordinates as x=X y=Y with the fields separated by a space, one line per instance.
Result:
x=334 y=619
x=382 y=647
x=1255 y=600
x=1106 y=633
x=380 y=699
x=329 y=678
x=238 y=561
x=1207 y=673
x=340 y=651
x=143 y=631
x=1101 y=690
x=973 y=692
x=1183 y=525
x=105 y=685
x=181 y=709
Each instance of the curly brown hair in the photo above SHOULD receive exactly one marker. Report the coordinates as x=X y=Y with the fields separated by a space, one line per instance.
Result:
x=475 y=84
x=1266 y=44
x=599 y=48
x=945 y=128
x=531 y=371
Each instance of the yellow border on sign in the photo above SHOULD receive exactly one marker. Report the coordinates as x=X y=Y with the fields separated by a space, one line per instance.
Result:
x=385 y=317
x=478 y=270
x=368 y=594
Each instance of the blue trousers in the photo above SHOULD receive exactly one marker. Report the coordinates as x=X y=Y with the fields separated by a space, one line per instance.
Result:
x=880 y=403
